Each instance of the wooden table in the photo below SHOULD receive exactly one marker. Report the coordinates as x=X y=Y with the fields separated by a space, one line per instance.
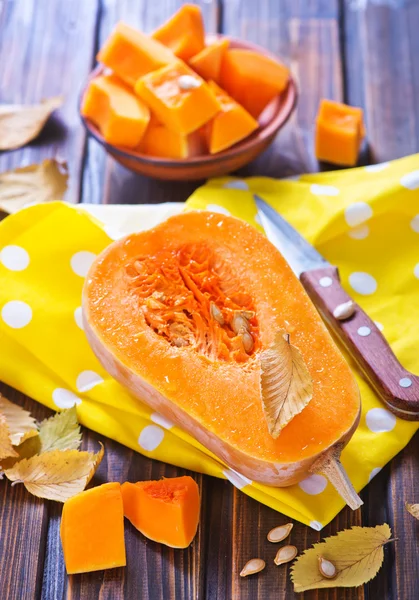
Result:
x=363 y=52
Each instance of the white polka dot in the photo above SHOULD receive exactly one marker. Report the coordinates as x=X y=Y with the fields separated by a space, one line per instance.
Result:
x=14 y=258
x=373 y=473
x=324 y=190
x=326 y=281
x=78 y=317
x=291 y=178
x=151 y=437
x=65 y=398
x=16 y=314
x=363 y=283
x=313 y=485
x=113 y=232
x=237 y=184
x=81 y=262
x=364 y=331
x=414 y=223
x=380 y=420
x=218 y=209
x=316 y=525
x=416 y=271
x=239 y=481
x=359 y=233
x=87 y=380
x=410 y=180
x=376 y=168
x=257 y=219
x=405 y=382
x=380 y=326
x=160 y=420
x=357 y=213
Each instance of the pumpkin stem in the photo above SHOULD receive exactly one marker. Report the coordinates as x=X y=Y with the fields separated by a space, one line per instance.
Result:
x=330 y=466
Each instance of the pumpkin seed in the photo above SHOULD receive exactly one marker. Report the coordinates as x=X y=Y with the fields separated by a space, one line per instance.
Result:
x=255 y=565
x=345 y=310
x=277 y=534
x=216 y=313
x=248 y=342
x=327 y=568
x=180 y=342
x=285 y=554
x=188 y=82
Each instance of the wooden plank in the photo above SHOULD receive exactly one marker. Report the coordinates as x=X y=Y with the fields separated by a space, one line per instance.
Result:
x=104 y=179
x=23 y=525
x=305 y=36
x=382 y=72
x=45 y=50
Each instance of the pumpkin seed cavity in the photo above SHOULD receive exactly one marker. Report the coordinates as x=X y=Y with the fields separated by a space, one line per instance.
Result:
x=193 y=298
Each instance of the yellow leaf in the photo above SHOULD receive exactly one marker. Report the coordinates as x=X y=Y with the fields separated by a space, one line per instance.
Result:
x=60 y=432
x=26 y=449
x=20 y=124
x=6 y=448
x=413 y=509
x=19 y=421
x=56 y=475
x=286 y=384
x=357 y=554
x=42 y=182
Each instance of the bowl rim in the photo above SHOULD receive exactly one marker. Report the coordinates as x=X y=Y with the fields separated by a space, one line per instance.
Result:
x=290 y=97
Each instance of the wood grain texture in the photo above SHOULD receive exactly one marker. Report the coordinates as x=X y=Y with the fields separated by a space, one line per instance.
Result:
x=47 y=47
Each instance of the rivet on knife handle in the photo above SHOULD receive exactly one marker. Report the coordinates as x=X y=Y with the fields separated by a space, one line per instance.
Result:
x=397 y=387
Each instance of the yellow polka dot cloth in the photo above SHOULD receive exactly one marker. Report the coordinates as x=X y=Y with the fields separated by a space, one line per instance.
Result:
x=365 y=220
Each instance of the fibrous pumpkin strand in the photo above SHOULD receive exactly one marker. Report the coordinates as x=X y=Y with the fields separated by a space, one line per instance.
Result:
x=194 y=300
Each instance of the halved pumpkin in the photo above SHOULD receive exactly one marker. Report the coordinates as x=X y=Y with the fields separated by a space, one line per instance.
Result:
x=159 y=309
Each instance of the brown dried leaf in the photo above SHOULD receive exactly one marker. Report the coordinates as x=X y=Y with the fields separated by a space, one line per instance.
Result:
x=42 y=182
x=6 y=448
x=20 y=124
x=60 y=432
x=286 y=383
x=357 y=554
x=56 y=475
x=26 y=449
x=19 y=421
x=413 y=509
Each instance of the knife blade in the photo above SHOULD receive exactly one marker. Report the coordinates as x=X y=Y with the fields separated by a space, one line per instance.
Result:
x=397 y=387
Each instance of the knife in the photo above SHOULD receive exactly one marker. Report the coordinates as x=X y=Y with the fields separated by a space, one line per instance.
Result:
x=397 y=387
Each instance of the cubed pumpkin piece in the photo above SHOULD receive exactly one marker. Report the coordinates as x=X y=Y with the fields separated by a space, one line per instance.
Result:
x=207 y=63
x=165 y=511
x=252 y=79
x=92 y=530
x=131 y=54
x=162 y=142
x=184 y=32
x=121 y=117
x=170 y=93
x=339 y=133
x=232 y=124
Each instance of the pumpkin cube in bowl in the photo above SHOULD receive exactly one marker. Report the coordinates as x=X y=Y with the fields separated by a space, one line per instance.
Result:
x=339 y=133
x=231 y=125
x=131 y=53
x=161 y=142
x=180 y=98
x=184 y=32
x=207 y=63
x=92 y=530
x=121 y=117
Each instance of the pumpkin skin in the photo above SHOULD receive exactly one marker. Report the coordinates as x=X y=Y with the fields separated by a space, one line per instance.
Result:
x=208 y=384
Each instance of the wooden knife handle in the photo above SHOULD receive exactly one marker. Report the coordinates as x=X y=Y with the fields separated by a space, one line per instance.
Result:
x=398 y=388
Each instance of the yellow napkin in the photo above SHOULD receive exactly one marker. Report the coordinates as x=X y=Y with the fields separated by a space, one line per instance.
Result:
x=364 y=220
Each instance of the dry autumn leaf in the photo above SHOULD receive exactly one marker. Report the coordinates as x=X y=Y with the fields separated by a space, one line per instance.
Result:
x=60 y=432
x=56 y=475
x=19 y=421
x=286 y=384
x=42 y=182
x=357 y=554
x=6 y=448
x=20 y=124
x=413 y=509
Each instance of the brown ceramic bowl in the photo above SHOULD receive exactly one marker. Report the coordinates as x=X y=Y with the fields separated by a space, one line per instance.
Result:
x=208 y=165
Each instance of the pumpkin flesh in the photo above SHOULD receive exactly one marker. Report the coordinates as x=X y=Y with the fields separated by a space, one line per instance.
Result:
x=147 y=311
